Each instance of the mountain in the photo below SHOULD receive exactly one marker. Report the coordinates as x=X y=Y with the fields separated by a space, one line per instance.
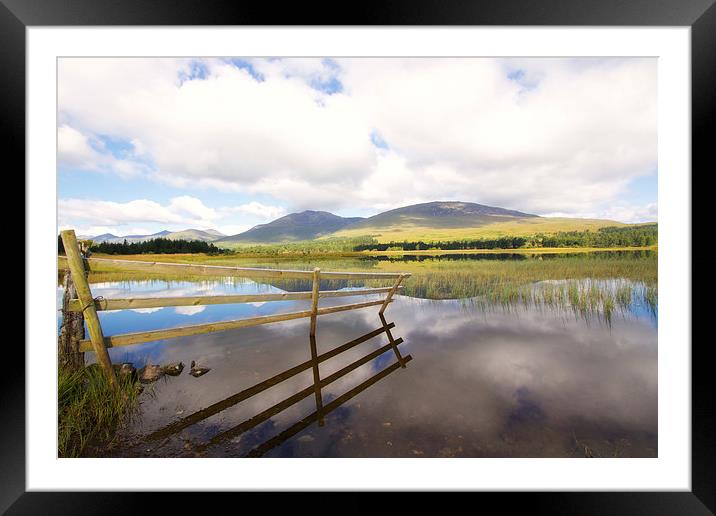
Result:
x=141 y=238
x=441 y=214
x=105 y=237
x=305 y=225
x=430 y=221
x=453 y=220
x=208 y=235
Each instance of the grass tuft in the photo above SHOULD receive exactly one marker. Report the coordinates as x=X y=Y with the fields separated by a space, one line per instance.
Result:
x=90 y=411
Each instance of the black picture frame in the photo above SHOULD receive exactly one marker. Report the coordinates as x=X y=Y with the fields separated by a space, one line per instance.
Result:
x=700 y=15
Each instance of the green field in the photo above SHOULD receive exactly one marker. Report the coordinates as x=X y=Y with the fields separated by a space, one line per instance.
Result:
x=511 y=227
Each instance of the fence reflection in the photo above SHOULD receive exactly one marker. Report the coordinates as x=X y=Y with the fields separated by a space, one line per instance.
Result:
x=315 y=389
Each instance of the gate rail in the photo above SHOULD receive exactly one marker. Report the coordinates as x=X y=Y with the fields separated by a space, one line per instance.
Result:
x=97 y=342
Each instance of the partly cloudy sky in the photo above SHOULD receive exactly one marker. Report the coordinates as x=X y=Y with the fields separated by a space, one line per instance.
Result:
x=152 y=144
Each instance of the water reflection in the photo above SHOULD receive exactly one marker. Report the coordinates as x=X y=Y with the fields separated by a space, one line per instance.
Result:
x=521 y=256
x=524 y=382
x=319 y=383
x=502 y=381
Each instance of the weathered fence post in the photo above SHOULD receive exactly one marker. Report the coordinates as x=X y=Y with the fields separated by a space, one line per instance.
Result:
x=72 y=330
x=84 y=294
x=312 y=336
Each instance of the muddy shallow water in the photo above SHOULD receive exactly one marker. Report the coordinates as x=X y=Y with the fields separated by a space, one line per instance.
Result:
x=517 y=382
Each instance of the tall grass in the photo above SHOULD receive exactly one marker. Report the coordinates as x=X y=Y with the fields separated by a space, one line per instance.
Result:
x=90 y=411
x=587 y=283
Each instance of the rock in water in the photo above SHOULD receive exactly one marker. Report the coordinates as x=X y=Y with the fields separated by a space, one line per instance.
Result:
x=150 y=373
x=174 y=369
x=126 y=370
x=197 y=370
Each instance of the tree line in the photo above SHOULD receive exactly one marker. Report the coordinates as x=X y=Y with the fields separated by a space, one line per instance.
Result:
x=629 y=236
x=153 y=246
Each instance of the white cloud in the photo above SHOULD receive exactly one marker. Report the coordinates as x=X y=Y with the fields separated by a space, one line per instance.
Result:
x=146 y=310
x=189 y=310
x=258 y=210
x=539 y=135
x=466 y=131
x=74 y=150
x=192 y=207
x=227 y=128
x=644 y=213
x=181 y=211
x=233 y=229
x=631 y=213
x=93 y=217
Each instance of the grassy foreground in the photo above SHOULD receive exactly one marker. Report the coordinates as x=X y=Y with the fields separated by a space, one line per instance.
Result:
x=90 y=411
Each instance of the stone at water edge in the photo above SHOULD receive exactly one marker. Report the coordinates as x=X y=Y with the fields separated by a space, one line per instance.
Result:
x=197 y=370
x=150 y=373
x=125 y=370
x=173 y=369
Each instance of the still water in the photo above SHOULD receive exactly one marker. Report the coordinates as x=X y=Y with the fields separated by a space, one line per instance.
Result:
x=483 y=382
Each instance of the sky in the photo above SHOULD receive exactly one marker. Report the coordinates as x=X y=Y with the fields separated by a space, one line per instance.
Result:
x=148 y=144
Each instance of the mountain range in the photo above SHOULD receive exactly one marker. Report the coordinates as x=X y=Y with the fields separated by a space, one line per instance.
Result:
x=437 y=220
x=205 y=235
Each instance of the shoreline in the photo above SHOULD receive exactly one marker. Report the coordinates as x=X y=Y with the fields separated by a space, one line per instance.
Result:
x=358 y=254
x=521 y=250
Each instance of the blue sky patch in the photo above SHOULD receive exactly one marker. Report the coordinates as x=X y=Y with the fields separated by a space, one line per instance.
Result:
x=243 y=64
x=197 y=71
x=378 y=140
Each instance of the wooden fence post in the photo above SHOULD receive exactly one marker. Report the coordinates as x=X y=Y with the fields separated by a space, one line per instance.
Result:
x=77 y=269
x=315 y=292
x=72 y=330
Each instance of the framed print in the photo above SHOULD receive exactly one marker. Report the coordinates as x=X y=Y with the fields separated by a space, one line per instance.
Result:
x=434 y=249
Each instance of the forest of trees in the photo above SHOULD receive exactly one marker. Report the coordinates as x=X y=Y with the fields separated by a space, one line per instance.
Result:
x=497 y=243
x=153 y=246
x=628 y=236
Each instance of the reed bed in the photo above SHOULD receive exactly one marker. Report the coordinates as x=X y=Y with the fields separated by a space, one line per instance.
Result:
x=90 y=411
x=586 y=284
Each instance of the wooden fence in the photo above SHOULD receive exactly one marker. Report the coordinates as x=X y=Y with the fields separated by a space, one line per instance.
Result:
x=85 y=306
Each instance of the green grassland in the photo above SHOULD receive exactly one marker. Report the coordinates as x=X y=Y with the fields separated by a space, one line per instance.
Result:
x=414 y=230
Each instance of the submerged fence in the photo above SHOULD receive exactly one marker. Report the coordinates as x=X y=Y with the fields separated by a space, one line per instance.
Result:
x=80 y=306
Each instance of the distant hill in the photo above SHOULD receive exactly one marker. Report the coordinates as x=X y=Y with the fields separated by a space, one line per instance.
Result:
x=205 y=235
x=306 y=225
x=441 y=214
x=453 y=220
x=208 y=235
x=430 y=221
x=104 y=237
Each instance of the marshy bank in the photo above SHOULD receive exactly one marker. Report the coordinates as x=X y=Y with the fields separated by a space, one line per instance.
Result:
x=90 y=410
x=587 y=284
